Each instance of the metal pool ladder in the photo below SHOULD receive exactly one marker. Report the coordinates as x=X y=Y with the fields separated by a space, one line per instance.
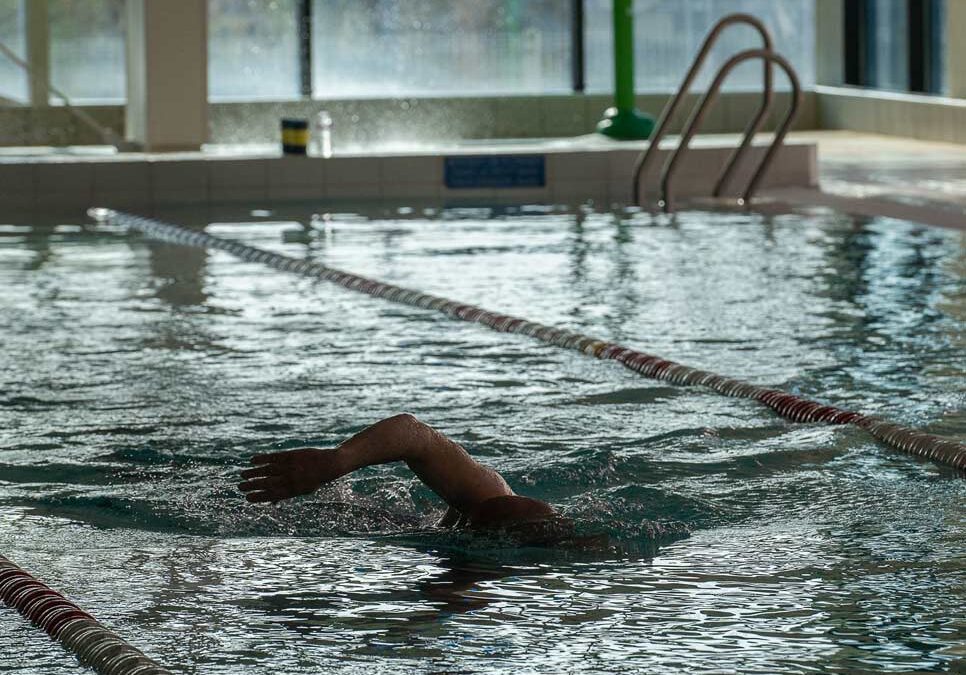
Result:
x=769 y=58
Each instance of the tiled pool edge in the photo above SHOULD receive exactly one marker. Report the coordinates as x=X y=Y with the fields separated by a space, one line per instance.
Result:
x=67 y=185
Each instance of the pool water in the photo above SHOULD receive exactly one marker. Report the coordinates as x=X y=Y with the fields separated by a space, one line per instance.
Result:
x=136 y=379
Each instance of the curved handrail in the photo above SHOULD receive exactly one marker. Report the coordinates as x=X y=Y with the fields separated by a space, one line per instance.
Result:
x=646 y=158
x=710 y=97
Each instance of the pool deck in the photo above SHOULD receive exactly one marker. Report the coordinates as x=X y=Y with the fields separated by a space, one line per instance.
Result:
x=873 y=175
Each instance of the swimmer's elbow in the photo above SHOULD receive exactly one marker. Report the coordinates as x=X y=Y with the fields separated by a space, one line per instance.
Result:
x=405 y=420
x=406 y=426
x=408 y=433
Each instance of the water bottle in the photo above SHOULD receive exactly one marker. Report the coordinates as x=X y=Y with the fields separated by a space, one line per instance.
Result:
x=323 y=134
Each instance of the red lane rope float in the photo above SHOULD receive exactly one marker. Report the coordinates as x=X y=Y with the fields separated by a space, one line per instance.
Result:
x=942 y=450
x=92 y=643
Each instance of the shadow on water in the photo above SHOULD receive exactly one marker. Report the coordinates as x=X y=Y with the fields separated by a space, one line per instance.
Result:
x=180 y=274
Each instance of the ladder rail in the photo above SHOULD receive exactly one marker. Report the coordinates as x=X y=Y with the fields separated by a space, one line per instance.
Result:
x=710 y=97
x=647 y=157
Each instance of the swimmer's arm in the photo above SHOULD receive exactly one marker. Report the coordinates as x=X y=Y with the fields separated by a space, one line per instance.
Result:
x=445 y=467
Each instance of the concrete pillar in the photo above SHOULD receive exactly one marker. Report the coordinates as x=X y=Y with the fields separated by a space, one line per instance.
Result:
x=830 y=42
x=38 y=52
x=167 y=74
x=956 y=48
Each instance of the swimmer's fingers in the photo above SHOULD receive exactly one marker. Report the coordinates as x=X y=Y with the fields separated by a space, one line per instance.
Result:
x=270 y=489
x=259 y=471
x=269 y=483
x=268 y=458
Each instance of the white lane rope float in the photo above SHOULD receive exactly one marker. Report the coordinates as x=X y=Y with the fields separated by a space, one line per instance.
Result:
x=936 y=448
x=93 y=644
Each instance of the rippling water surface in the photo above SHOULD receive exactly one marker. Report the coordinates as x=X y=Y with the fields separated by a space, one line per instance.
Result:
x=137 y=378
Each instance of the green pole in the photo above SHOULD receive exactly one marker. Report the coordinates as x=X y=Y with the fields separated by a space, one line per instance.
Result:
x=624 y=54
x=624 y=121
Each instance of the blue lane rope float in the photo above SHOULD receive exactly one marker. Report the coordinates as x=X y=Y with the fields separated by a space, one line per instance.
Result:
x=936 y=448
x=92 y=643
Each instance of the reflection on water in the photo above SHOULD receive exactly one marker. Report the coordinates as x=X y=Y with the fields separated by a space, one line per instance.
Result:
x=137 y=378
x=180 y=272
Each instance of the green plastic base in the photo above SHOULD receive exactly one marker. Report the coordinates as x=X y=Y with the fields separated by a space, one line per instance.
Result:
x=626 y=125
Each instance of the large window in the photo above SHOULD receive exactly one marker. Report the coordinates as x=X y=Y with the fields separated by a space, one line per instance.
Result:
x=896 y=45
x=287 y=49
x=87 y=49
x=393 y=47
x=253 y=49
x=668 y=34
x=889 y=47
x=389 y=47
x=13 y=80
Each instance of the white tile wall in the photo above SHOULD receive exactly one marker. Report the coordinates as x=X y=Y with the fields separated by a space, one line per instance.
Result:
x=411 y=191
x=123 y=200
x=522 y=195
x=581 y=192
x=281 y=193
x=598 y=172
x=427 y=170
x=58 y=177
x=238 y=180
x=310 y=171
x=169 y=175
x=350 y=191
x=352 y=171
x=622 y=165
x=476 y=196
x=16 y=179
x=170 y=197
x=296 y=178
x=122 y=175
x=122 y=185
x=574 y=166
x=904 y=115
x=16 y=207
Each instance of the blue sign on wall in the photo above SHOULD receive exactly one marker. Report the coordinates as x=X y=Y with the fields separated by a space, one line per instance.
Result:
x=495 y=171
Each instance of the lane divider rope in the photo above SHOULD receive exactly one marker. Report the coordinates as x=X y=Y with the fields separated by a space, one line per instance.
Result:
x=92 y=643
x=936 y=448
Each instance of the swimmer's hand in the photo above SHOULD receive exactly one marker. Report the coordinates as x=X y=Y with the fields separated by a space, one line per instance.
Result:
x=283 y=475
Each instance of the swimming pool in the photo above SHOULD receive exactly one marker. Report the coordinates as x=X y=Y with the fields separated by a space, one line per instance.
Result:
x=138 y=377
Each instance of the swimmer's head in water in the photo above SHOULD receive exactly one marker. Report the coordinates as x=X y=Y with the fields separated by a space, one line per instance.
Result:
x=524 y=521
x=499 y=511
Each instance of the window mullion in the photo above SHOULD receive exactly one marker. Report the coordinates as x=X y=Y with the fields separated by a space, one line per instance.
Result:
x=304 y=10
x=38 y=51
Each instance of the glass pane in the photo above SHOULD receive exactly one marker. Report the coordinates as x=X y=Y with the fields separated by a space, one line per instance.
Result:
x=253 y=49
x=87 y=49
x=392 y=47
x=670 y=32
x=889 y=60
x=13 y=80
x=938 y=55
